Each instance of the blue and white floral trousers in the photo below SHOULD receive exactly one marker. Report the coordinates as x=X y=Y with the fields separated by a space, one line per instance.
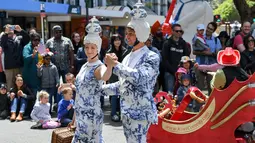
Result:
x=135 y=131
x=88 y=129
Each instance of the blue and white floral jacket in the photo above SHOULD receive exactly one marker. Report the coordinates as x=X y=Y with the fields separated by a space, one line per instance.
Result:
x=136 y=84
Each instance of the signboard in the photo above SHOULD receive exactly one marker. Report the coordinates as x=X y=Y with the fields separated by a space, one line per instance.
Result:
x=58 y=18
x=74 y=9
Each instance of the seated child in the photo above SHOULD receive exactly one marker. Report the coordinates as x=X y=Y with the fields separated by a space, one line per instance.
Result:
x=187 y=63
x=199 y=43
x=69 y=83
x=41 y=112
x=65 y=107
x=4 y=102
x=19 y=95
x=178 y=76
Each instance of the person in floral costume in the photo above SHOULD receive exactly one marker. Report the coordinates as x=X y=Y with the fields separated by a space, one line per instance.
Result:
x=137 y=76
x=88 y=116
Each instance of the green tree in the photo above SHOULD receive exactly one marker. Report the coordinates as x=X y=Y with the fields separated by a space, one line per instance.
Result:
x=215 y=3
x=246 y=9
x=231 y=10
x=227 y=10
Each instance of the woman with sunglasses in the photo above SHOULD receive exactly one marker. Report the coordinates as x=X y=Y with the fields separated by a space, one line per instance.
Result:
x=30 y=57
x=248 y=55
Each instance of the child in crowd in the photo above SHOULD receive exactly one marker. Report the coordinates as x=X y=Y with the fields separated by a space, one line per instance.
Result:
x=19 y=95
x=187 y=63
x=41 y=112
x=199 y=43
x=65 y=107
x=4 y=102
x=48 y=73
x=182 y=90
x=69 y=83
x=178 y=76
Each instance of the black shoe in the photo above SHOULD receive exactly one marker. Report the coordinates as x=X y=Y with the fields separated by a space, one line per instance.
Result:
x=38 y=125
x=55 y=107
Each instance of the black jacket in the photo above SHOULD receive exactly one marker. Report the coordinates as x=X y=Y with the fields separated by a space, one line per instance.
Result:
x=247 y=61
x=232 y=72
x=157 y=43
x=121 y=54
x=28 y=93
x=13 y=49
x=4 y=102
x=172 y=52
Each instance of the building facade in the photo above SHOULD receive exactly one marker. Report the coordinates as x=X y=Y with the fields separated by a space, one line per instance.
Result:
x=71 y=14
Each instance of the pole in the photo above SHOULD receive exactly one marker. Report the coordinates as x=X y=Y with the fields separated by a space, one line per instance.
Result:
x=87 y=12
x=42 y=20
x=42 y=27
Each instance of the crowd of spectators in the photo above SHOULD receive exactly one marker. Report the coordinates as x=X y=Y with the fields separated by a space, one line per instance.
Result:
x=30 y=77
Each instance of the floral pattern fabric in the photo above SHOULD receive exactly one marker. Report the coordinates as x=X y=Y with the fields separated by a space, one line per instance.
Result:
x=135 y=131
x=136 y=86
x=89 y=115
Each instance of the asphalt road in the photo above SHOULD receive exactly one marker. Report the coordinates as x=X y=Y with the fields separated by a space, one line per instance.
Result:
x=20 y=132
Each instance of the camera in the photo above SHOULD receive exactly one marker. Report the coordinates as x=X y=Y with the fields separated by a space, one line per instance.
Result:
x=12 y=27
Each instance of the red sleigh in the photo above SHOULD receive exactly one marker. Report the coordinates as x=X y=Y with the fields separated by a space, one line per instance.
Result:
x=223 y=112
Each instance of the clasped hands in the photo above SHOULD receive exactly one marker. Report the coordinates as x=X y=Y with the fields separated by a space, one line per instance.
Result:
x=111 y=59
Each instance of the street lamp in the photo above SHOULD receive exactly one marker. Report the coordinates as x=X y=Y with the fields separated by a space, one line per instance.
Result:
x=87 y=11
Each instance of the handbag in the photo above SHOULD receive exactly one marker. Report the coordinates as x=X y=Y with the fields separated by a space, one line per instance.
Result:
x=63 y=135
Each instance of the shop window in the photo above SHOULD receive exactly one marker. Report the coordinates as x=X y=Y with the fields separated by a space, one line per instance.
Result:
x=73 y=2
x=113 y=2
x=30 y=22
x=100 y=2
x=56 y=1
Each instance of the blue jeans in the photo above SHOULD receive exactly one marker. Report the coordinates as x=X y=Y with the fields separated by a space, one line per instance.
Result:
x=67 y=118
x=115 y=104
x=169 y=82
x=14 y=104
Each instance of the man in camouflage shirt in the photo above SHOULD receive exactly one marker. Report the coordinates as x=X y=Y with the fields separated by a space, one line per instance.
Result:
x=62 y=48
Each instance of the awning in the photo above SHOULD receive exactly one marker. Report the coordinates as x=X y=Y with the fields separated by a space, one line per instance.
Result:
x=108 y=11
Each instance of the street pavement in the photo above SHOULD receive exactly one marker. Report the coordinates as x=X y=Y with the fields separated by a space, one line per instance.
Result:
x=20 y=132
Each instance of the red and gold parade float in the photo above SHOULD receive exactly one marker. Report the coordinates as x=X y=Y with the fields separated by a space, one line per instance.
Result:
x=223 y=112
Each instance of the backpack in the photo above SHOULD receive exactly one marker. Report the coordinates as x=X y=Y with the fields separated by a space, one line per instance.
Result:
x=230 y=42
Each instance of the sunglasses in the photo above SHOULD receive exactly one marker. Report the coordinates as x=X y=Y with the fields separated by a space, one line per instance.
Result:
x=178 y=31
x=47 y=59
x=250 y=41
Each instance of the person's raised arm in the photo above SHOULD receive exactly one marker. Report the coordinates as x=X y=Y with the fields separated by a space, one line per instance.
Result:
x=148 y=69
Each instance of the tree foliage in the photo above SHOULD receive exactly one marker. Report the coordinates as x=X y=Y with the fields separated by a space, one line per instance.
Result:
x=246 y=9
x=231 y=10
x=227 y=11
